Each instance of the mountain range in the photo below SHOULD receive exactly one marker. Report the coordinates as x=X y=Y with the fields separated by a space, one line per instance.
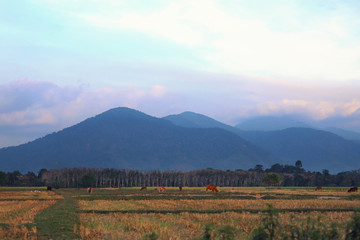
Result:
x=126 y=138
x=317 y=149
x=270 y=123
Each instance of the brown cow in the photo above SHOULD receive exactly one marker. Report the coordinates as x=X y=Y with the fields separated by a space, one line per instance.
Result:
x=318 y=188
x=143 y=188
x=90 y=190
x=212 y=188
x=49 y=188
x=353 y=189
x=180 y=188
x=162 y=189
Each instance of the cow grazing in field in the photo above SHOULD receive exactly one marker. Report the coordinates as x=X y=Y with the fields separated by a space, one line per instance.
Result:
x=212 y=188
x=49 y=188
x=180 y=188
x=318 y=188
x=279 y=188
x=353 y=189
x=143 y=188
x=90 y=190
x=162 y=189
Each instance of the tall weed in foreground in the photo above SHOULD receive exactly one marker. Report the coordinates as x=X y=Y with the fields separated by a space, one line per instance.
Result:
x=207 y=233
x=225 y=232
x=269 y=227
x=311 y=229
x=353 y=227
x=152 y=236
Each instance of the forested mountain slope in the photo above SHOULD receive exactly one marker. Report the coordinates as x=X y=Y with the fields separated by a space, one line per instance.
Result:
x=126 y=138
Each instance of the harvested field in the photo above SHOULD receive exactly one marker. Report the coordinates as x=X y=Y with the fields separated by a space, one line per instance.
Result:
x=17 y=218
x=188 y=225
x=130 y=214
x=21 y=212
x=28 y=195
x=127 y=213
x=212 y=204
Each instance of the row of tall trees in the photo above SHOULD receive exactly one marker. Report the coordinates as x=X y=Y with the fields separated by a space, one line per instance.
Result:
x=285 y=175
x=130 y=178
x=16 y=179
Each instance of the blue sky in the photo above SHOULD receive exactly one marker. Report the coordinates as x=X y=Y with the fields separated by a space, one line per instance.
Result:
x=62 y=61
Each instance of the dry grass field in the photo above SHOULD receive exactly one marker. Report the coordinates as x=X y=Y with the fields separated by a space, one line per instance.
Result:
x=216 y=204
x=128 y=213
x=187 y=225
x=131 y=214
x=18 y=210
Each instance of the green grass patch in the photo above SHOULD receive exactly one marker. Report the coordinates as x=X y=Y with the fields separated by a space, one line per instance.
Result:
x=58 y=221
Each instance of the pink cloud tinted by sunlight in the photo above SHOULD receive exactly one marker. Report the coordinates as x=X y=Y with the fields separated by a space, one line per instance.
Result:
x=64 y=61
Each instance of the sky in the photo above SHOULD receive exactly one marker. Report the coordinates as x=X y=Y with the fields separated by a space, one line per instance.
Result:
x=62 y=61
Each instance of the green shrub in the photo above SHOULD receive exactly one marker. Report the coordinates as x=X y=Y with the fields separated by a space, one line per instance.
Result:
x=226 y=232
x=269 y=225
x=353 y=227
x=152 y=236
x=311 y=229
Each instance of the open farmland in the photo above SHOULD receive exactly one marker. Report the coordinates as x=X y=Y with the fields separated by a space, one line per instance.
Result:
x=129 y=213
x=18 y=208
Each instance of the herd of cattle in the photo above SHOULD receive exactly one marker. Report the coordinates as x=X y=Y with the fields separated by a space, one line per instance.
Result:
x=208 y=187
x=162 y=189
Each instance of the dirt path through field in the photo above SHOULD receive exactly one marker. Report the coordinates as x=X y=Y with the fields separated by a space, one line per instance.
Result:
x=58 y=221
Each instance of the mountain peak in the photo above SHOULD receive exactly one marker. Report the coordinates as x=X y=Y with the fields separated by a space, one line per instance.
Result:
x=130 y=139
x=193 y=120
x=123 y=112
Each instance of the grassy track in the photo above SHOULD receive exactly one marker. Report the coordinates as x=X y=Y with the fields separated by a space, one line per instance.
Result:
x=58 y=221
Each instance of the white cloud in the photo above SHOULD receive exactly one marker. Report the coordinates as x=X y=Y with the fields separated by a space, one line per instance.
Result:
x=315 y=110
x=351 y=107
x=46 y=103
x=318 y=47
x=158 y=91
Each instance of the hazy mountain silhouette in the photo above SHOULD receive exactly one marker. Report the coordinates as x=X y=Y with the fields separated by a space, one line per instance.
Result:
x=315 y=148
x=126 y=138
x=270 y=123
x=196 y=120
x=350 y=135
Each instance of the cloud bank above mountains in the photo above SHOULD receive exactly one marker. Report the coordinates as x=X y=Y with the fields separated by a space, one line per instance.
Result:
x=35 y=103
x=64 y=61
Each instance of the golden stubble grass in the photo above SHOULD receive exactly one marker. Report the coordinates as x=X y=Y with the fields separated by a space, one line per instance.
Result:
x=261 y=191
x=30 y=194
x=187 y=225
x=21 y=212
x=20 y=232
x=216 y=204
x=16 y=214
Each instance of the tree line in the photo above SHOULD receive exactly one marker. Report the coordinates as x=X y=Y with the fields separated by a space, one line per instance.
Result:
x=277 y=175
